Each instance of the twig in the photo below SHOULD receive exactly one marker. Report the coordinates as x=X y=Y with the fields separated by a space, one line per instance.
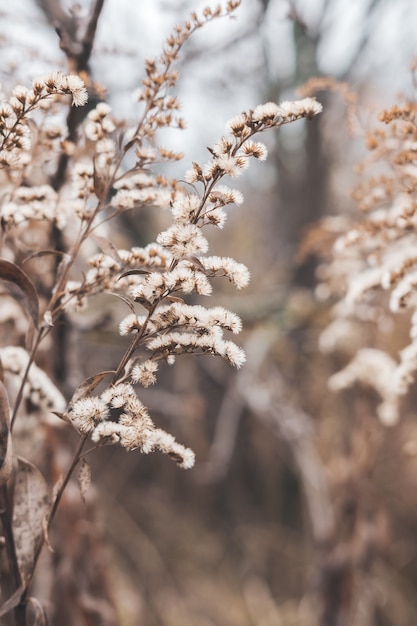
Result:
x=74 y=463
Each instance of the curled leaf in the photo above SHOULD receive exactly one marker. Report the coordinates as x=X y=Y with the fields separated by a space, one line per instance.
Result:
x=89 y=384
x=124 y=299
x=23 y=289
x=132 y=273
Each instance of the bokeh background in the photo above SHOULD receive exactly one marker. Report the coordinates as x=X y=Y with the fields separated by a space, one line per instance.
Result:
x=302 y=508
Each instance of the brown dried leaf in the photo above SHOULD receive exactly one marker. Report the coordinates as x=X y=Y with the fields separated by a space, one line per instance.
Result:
x=175 y=299
x=99 y=182
x=84 y=478
x=41 y=253
x=13 y=601
x=108 y=248
x=132 y=272
x=47 y=319
x=89 y=384
x=62 y=416
x=31 y=505
x=26 y=293
x=196 y=263
x=124 y=299
x=62 y=267
x=29 y=338
x=146 y=305
x=39 y=614
x=5 y=437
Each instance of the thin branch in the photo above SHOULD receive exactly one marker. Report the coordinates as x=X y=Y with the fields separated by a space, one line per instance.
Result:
x=89 y=37
x=78 y=54
x=75 y=460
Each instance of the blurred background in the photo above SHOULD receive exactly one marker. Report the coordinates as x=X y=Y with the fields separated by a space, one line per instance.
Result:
x=302 y=508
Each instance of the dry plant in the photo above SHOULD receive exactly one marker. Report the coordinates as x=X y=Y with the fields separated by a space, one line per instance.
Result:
x=367 y=272
x=57 y=254
x=371 y=267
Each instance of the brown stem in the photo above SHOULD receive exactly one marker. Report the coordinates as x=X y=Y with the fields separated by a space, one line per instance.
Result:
x=219 y=175
x=39 y=337
x=74 y=463
x=90 y=34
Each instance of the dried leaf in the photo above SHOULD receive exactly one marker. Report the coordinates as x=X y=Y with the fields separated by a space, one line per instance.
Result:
x=100 y=182
x=29 y=338
x=41 y=253
x=31 y=505
x=62 y=267
x=196 y=263
x=84 y=478
x=47 y=319
x=13 y=601
x=131 y=272
x=62 y=416
x=39 y=618
x=175 y=299
x=146 y=305
x=124 y=299
x=108 y=248
x=26 y=293
x=5 y=437
x=89 y=384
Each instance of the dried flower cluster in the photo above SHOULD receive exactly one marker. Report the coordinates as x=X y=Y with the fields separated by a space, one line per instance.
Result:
x=60 y=187
x=374 y=265
x=159 y=276
x=55 y=230
x=155 y=280
x=118 y=416
x=15 y=136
